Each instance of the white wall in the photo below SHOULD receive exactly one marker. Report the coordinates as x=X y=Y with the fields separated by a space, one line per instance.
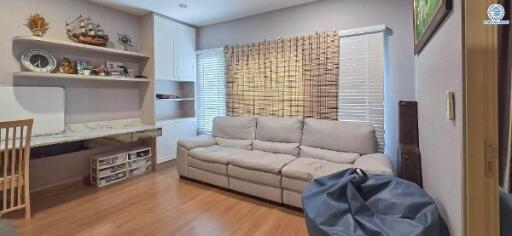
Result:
x=335 y=15
x=439 y=69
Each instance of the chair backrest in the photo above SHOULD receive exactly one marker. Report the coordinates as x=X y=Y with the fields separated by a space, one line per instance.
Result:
x=15 y=139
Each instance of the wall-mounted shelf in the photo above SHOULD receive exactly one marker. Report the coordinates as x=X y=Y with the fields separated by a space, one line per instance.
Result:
x=68 y=44
x=38 y=75
x=176 y=99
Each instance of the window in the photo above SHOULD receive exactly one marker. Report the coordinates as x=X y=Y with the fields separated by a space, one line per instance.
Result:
x=361 y=86
x=211 y=88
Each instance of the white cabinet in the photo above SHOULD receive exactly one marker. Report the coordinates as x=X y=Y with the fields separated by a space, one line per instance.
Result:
x=164 y=30
x=174 y=49
x=185 y=52
x=172 y=131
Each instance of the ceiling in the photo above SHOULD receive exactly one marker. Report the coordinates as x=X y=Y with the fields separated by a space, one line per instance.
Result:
x=201 y=12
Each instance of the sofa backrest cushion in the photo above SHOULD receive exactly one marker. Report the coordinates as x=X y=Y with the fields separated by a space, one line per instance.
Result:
x=277 y=147
x=234 y=143
x=328 y=155
x=279 y=129
x=339 y=136
x=242 y=127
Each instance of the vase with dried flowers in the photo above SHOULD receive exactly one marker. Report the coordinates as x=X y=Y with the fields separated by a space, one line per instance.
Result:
x=37 y=24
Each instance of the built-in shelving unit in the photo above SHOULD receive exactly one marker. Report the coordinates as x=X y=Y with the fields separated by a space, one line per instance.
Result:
x=62 y=76
x=172 y=65
x=136 y=128
x=76 y=46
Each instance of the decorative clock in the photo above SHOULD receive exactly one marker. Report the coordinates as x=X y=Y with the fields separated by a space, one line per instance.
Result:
x=38 y=61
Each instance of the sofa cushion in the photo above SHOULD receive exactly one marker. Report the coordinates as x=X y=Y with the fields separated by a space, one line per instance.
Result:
x=213 y=167
x=215 y=153
x=339 y=136
x=328 y=155
x=255 y=176
x=292 y=184
x=307 y=169
x=276 y=147
x=234 y=143
x=376 y=163
x=262 y=161
x=243 y=127
x=279 y=129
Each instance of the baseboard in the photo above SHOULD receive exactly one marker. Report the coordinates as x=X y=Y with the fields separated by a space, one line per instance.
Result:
x=165 y=164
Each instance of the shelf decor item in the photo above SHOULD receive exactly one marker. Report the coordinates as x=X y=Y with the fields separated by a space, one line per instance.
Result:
x=37 y=24
x=67 y=66
x=125 y=40
x=83 y=30
x=83 y=67
x=427 y=17
x=37 y=60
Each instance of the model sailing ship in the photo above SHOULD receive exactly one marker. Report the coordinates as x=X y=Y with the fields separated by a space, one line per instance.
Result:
x=83 y=30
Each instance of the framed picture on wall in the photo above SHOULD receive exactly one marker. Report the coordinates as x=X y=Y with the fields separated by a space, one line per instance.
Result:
x=427 y=17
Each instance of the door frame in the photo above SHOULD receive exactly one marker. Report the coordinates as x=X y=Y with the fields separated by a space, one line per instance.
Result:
x=481 y=197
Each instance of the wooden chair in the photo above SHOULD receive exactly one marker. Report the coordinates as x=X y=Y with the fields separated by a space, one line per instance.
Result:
x=14 y=163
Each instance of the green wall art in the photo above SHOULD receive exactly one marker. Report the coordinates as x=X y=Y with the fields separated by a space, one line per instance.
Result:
x=428 y=16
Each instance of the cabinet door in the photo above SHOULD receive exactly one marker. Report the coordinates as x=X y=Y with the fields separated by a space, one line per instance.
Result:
x=185 y=52
x=188 y=128
x=167 y=143
x=164 y=48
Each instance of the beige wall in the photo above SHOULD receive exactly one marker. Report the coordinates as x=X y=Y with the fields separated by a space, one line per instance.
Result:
x=439 y=69
x=335 y=15
x=85 y=101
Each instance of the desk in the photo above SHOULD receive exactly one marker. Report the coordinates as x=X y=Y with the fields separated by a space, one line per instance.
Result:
x=85 y=131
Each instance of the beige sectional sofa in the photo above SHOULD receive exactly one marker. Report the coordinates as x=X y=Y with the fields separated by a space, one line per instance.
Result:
x=275 y=158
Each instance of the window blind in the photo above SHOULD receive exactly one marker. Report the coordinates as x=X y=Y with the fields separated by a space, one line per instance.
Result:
x=210 y=88
x=361 y=81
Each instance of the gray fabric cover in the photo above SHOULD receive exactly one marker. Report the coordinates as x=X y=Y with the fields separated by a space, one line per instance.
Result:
x=262 y=161
x=215 y=153
x=276 y=147
x=339 y=136
x=307 y=169
x=328 y=155
x=277 y=129
x=234 y=143
x=243 y=127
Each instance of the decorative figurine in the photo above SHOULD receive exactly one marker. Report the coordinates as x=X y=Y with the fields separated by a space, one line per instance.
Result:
x=125 y=40
x=99 y=70
x=86 y=32
x=67 y=66
x=37 y=24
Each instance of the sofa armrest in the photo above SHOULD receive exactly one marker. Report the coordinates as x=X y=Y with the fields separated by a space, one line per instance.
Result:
x=201 y=141
x=376 y=163
x=185 y=145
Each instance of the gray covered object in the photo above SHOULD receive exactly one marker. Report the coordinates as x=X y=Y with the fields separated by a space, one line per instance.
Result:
x=351 y=203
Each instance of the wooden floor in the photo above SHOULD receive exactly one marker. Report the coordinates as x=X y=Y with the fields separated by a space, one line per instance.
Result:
x=159 y=203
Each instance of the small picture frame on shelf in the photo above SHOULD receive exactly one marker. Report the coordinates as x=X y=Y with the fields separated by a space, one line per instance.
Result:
x=115 y=68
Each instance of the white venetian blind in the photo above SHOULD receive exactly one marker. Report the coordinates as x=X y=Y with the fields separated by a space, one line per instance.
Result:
x=211 y=88
x=362 y=70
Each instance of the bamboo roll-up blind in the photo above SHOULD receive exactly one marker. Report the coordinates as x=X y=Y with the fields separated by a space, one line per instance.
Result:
x=285 y=77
